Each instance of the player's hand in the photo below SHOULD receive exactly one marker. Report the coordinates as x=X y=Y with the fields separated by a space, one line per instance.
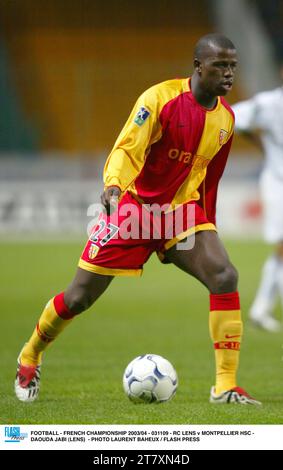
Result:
x=110 y=198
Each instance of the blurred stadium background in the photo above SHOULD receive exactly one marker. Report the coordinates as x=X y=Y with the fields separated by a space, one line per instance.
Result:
x=70 y=71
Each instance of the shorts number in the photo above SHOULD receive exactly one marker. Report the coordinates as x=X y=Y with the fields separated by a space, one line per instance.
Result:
x=101 y=226
x=113 y=229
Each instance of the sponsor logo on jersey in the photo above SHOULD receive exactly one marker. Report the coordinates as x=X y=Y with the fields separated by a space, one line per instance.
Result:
x=197 y=161
x=223 y=136
x=93 y=250
x=141 y=116
x=180 y=155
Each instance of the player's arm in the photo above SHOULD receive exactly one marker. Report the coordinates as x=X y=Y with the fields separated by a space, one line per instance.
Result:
x=247 y=120
x=128 y=155
x=208 y=189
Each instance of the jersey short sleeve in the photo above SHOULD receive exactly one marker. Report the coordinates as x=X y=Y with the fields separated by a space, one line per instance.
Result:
x=141 y=130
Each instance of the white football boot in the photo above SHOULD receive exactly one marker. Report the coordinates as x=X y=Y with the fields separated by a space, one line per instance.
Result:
x=235 y=395
x=27 y=382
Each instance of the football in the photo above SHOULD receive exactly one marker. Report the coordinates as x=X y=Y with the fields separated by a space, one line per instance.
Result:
x=150 y=378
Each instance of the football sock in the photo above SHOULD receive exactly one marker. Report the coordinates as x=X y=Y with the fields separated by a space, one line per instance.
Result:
x=266 y=295
x=226 y=329
x=55 y=317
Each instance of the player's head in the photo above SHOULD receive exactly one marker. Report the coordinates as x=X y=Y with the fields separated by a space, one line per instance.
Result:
x=215 y=61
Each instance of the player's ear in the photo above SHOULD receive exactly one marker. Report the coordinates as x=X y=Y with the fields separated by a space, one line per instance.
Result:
x=197 y=65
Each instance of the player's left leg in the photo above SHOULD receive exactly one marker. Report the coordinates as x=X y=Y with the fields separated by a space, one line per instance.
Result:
x=209 y=263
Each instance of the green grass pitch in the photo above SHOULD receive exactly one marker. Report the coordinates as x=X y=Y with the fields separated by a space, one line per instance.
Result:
x=165 y=312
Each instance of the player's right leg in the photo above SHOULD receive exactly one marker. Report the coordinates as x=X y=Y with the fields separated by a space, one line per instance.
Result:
x=85 y=288
x=105 y=256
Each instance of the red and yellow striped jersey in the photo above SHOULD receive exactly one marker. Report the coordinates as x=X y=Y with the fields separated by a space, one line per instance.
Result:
x=172 y=150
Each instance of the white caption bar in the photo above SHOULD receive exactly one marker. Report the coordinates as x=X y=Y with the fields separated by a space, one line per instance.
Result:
x=141 y=437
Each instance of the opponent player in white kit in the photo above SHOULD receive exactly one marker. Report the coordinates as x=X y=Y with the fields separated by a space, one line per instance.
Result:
x=264 y=113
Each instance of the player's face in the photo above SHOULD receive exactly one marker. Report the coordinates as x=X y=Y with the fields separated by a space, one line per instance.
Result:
x=217 y=71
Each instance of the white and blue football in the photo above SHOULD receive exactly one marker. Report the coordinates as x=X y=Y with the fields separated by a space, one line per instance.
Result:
x=150 y=378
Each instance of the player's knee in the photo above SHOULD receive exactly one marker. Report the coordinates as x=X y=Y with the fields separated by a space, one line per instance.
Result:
x=225 y=280
x=78 y=300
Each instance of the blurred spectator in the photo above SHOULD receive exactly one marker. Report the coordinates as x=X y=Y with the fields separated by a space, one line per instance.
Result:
x=261 y=119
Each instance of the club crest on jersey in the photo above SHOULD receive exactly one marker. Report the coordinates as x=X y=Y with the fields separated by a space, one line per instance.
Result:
x=93 y=250
x=222 y=136
x=141 y=116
